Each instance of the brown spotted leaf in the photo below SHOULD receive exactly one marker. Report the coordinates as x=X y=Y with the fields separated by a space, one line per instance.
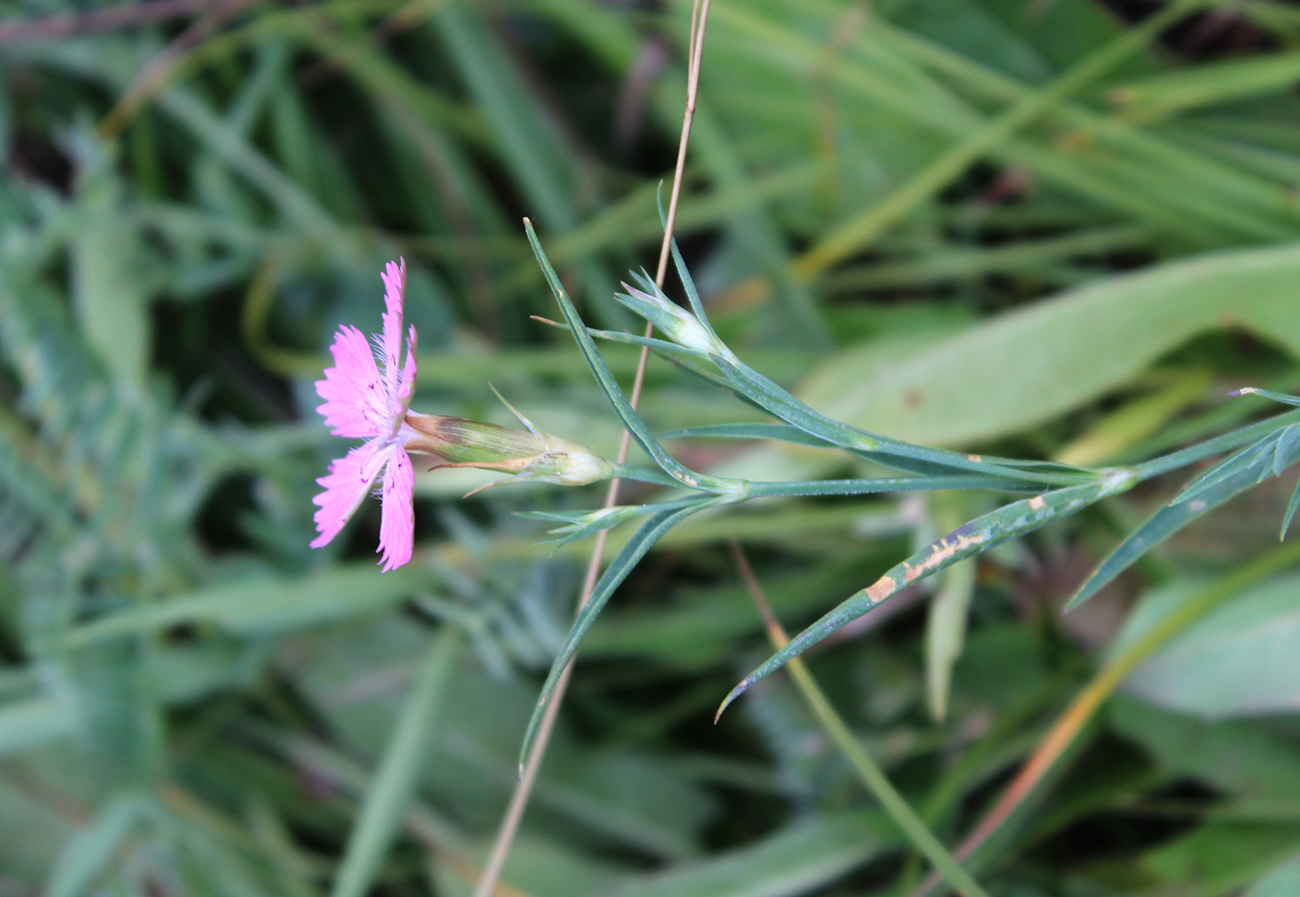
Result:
x=975 y=537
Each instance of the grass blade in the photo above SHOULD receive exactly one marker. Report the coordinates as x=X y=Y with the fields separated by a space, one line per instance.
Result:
x=387 y=799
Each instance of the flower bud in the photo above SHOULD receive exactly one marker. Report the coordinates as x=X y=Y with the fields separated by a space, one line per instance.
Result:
x=675 y=322
x=530 y=454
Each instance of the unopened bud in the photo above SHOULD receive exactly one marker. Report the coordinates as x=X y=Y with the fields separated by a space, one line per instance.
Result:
x=675 y=322
x=530 y=454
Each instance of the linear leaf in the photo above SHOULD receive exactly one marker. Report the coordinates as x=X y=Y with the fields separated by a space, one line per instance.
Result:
x=904 y=456
x=87 y=855
x=1172 y=517
x=1268 y=394
x=976 y=537
x=605 y=378
x=264 y=605
x=774 y=432
x=635 y=549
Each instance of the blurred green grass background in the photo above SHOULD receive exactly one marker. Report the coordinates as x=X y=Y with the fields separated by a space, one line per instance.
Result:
x=1032 y=226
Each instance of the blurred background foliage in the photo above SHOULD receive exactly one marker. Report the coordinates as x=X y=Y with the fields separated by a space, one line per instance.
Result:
x=1029 y=226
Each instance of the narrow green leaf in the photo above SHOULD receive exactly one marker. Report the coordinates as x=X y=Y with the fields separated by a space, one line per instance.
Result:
x=1203 y=85
x=1267 y=394
x=581 y=524
x=541 y=165
x=1290 y=512
x=774 y=432
x=1216 y=446
x=976 y=537
x=1257 y=456
x=605 y=378
x=1172 y=517
x=630 y=555
x=881 y=485
x=684 y=275
x=264 y=605
x=795 y=860
x=109 y=295
x=632 y=339
x=904 y=456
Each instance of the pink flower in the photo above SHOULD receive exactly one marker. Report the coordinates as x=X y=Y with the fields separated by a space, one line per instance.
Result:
x=365 y=400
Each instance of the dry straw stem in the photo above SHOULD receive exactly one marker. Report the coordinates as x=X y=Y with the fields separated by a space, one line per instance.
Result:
x=528 y=773
x=873 y=777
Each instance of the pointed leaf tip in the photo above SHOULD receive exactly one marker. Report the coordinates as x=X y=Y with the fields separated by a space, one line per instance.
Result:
x=1290 y=513
x=736 y=692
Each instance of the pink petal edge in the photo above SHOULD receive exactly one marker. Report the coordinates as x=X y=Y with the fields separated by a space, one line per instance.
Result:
x=397 y=522
x=394 y=278
x=345 y=487
x=356 y=401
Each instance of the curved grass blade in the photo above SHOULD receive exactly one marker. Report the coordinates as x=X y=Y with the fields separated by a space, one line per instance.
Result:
x=408 y=748
x=635 y=425
x=975 y=537
x=1172 y=517
x=630 y=555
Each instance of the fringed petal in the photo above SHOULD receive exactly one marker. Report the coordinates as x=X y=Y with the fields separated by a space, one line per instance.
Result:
x=357 y=401
x=397 y=523
x=345 y=487
x=394 y=296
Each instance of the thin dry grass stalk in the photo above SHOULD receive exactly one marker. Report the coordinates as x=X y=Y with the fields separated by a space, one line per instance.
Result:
x=487 y=883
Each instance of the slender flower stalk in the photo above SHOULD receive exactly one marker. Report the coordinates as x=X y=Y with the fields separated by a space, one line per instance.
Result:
x=368 y=396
